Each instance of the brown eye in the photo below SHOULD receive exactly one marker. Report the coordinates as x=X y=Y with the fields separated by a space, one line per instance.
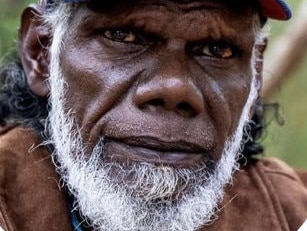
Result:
x=218 y=51
x=120 y=35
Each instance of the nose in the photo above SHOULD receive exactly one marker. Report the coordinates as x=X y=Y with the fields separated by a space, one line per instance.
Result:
x=170 y=93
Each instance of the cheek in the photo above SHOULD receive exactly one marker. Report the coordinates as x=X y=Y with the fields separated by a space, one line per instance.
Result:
x=237 y=96
x=83 y=86
x=226 y=97
x=237 y=93
x=94 y=87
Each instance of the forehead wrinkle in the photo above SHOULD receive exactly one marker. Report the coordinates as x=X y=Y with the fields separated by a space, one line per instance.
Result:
x=238 y=6
x=215 y=25
x=120 y=6
x=217 y=22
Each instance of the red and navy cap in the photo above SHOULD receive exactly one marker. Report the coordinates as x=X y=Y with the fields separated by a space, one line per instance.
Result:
x=274 y=9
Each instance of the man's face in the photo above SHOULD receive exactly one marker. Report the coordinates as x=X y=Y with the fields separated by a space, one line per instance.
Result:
x=163 y=82
x=148 y=108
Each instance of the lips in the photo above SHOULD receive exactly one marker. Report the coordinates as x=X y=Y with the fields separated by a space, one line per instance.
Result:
x=152 y=150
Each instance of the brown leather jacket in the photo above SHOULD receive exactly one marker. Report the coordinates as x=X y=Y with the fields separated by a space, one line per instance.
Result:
x=265 y=195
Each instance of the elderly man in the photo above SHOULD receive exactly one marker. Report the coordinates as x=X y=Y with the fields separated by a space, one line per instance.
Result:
x=135 y=115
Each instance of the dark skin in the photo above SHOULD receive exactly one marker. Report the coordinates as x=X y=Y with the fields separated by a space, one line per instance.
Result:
x=164 y=82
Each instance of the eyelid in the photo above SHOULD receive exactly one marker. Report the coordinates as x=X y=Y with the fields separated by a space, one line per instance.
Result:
x=197 y=48
x=142 y=38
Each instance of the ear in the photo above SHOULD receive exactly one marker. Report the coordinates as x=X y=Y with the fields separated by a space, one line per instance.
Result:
x=260 y=48
x=33 y=50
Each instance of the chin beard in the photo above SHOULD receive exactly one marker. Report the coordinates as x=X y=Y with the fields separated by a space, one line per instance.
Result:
x=148 y=197
x=140 y=196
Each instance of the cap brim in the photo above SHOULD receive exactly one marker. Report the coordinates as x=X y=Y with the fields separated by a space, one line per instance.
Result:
x=275 y=9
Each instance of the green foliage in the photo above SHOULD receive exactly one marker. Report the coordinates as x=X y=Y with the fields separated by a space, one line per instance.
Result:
x=9 y=20
x=288 y=142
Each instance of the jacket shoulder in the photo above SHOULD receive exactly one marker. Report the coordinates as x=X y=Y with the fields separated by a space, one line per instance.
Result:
x=288 y=188
x=16 y=138
x=15 y=142
x=303 y=176
x=28 y=179
x=274 y=166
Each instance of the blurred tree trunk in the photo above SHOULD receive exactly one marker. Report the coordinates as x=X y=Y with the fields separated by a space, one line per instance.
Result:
x=287 y=53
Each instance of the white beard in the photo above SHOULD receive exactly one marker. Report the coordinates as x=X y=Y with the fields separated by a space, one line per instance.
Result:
x=147 y=204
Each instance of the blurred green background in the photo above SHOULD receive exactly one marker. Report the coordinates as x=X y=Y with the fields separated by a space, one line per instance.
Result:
x=288 y=142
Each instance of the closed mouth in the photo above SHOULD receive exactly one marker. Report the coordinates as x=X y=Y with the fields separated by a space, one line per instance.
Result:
x=152 y=150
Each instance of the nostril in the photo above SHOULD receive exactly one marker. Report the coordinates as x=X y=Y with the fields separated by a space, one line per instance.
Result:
x=153 y=105
x=184 y=106
x=156 y=102
x=185 y=109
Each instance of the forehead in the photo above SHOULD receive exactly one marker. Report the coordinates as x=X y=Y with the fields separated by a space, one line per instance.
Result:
x=233 y=8
x=173 y=17
x=236 y=5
